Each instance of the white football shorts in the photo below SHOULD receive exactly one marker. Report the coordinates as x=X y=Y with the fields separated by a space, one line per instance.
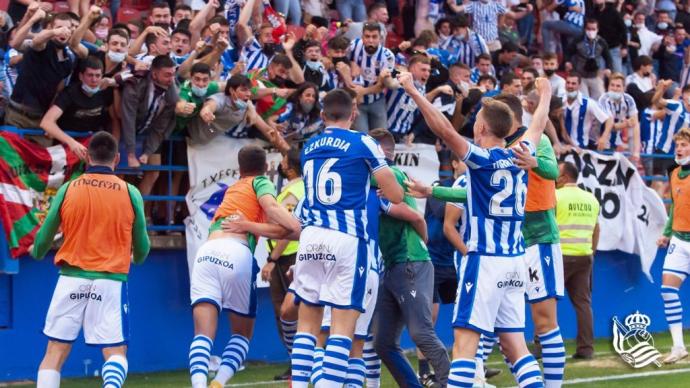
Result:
x=677 y=261
x=544 y=263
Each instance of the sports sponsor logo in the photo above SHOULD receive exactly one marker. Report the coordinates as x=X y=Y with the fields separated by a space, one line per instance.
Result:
x=217 y=261
x=633 y=342
x=512 y=280
x=86 y=291
x=316 y=252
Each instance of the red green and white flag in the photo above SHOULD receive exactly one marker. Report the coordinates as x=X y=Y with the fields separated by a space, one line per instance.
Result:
x=30 y=175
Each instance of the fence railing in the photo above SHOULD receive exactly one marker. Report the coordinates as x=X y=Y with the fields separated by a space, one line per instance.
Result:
x=169 y=169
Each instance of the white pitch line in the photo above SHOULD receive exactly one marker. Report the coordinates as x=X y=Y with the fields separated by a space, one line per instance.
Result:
x=282 y=383
x=623 y=376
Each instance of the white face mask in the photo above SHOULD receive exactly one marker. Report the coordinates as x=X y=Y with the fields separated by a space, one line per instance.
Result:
x=116 y=57
x=572 y=95
x=615 y=95
x=639 y=26
x=591 y=34
x=627 y=22
x=682 y=161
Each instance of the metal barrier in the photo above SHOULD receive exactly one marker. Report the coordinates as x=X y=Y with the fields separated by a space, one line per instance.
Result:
x=169 y=168
x=123 y=169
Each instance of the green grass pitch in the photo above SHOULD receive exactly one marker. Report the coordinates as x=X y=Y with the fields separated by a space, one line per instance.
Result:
x=605 y=370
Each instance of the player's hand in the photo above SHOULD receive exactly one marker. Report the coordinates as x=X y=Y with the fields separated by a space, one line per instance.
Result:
x=663 y=241
x=266 y=271
x=207 y=115
x=523 y=157
x=417 y=189
x=405 y=79
x=79 y=149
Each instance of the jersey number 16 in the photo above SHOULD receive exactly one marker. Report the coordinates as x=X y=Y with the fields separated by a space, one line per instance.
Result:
x=326 y=184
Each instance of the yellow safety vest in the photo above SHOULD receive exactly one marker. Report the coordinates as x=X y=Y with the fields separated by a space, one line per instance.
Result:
x=295 y=189
x=577 y=212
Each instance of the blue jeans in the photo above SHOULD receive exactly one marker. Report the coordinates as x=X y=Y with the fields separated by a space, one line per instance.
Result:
x=351 y=9
x=524 y=27
x=551 y=27
x=617 y=65
x=291 y=9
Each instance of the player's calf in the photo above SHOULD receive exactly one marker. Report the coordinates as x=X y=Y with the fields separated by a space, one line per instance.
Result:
x=199 y=357
x=114 y=371
x=372 y=363
x=51 y=365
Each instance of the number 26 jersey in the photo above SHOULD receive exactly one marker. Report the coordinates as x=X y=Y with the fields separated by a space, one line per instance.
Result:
x=336 y=167
x=496 y=195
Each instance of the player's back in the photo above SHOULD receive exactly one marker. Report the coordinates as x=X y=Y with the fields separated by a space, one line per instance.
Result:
x=496 y=194
x=97 y=219
x=337 y=166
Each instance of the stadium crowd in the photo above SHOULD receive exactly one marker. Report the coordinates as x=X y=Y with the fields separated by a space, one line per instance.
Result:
x=619 y=74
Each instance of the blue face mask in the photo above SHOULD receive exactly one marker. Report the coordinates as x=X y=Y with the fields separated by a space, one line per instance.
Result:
x=89 y=90
x=314 y=65
x=241 y=105
x=199 y=92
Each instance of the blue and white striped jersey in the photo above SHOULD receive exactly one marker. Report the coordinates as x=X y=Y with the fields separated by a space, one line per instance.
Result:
x=466 y=50
x=336 y=166
x=401 y=109
x=436 y=11
x=475 y=74
x=371 y=65
x=649 y=126
x=580 y=116
x=676 y=118
x=620 y=110
x=253 y=55
x=574 y=17
x=231 y=10
x=496 y=196
x=485 y=18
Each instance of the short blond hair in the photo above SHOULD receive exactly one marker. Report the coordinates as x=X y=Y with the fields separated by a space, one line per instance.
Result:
x=682 y=134
x=498 y=117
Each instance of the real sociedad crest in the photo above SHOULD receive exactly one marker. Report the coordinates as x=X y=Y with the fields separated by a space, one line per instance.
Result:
x=634 y=344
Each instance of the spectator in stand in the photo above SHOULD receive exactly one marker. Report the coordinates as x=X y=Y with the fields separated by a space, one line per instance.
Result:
x=641 y=82
x=354 y=10
x=161 y=16
x=649 y=40
x=612 y=29
x=676 y=117
x=669 y=59
x=372 y=58
x=193 y=93
x=582 y=115
x=46 y=64
x=587 y=56
x=81 y=107
x=232 y=114
x=527 y=78
x=8 y=70
x=485 y=16
x=444 y=30
x=301 y=118
x=465 y=45
x=538 y=63
x=683 y=15
x=6 y=25
x=664 y=22
x=257 y=50
x=503 y=59
x=482 y=68
x=337 y=63
x=633 y=38
x=550 y=68
x=135 y=28
x=569 y=29
x=272 y=85
x=377 y=13
x=625 y=132
x=291 y=9
x=313 y=69
x=577 y=214
x=182 y=12
x=511 y=84
x=180 y=45
x=148 y=116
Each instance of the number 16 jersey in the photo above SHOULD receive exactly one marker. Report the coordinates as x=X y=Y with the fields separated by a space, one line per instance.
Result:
x=496 y=194
x=336 y=167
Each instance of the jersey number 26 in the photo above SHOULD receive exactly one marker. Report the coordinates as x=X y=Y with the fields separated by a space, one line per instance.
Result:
x=510 y=186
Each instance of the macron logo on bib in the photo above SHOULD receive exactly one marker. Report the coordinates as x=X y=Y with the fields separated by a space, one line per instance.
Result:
x=361 y=271
x=468 y=287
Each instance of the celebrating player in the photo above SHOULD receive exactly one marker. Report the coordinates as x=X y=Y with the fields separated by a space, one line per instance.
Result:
x=677 y=236
x=332 y=261
x=491 y=287
x=94 y=261
x=224 y=272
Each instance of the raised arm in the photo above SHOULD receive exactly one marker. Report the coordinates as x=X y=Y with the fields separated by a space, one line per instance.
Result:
x=25 y=26
x=269 y=132
x=201 y=18
x=86 y=22
x=49 y=124
x=244 y=32
x=541 y=114
x=437 y=122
